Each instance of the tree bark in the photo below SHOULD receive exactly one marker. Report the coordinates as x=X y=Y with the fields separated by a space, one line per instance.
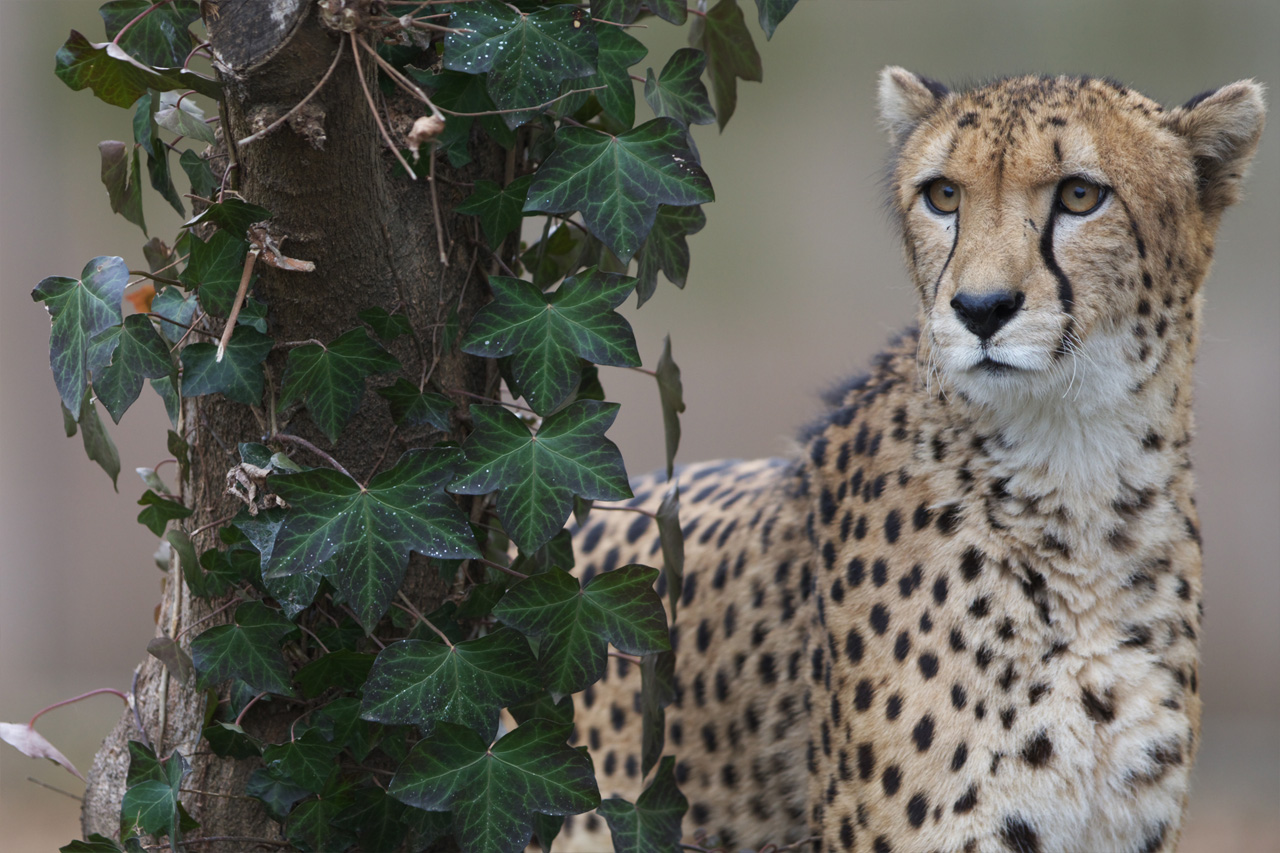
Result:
x=337 y=198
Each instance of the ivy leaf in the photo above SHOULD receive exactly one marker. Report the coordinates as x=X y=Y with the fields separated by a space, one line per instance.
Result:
x=95 y=843
x=231 y=741
x=576 y=624
x=494 y=791
x=499 y=209
x=772 y=12
x=377 y=820
x=28 y=741
x=657 y=691
x=238 y=376
x=544 y=706
x=198 y=172
x=360 y=538
x=386 y=325
x=331 y=379
x=671 y=538
x=278 y=796
x=292 y=592
x=313 y=824
x=679 y=93
x=423 y=683
x=343 y=669
x=652 y=825
x=118 y=78
x=232 y=214
x=159 y=512
x=618 y=52
x=120 y=175
x=215 y=268
x=248 y=650
x=731 y=54
x=536 y=477
x=617 y=182
x=463 y=93
x=160 y=39
x=546 y=334
x=626 y=11
x=139 y=353
x=81 y=310
x=666 y=249
x=526 y=56
x=671 y=393
x=411 y=407
x=98 y=445
x=151 y=804
x=307 y=761
x=184 y=122
x=174 y=304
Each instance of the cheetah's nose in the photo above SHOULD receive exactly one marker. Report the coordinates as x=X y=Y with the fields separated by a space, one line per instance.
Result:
x=985 y=313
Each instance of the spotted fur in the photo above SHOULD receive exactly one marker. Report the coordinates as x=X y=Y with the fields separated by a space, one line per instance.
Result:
x=966 y=616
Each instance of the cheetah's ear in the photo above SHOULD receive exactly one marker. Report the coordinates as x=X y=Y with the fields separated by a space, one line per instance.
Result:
x=1223 y=128
x=906 y=98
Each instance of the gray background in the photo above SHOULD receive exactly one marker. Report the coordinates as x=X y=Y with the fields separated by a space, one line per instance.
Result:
x=796 y=281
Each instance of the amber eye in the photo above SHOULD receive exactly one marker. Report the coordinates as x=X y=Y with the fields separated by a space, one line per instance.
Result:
x=1078 y=196
x=943 y=196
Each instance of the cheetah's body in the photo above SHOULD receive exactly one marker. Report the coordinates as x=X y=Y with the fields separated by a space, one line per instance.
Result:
x=966 y=618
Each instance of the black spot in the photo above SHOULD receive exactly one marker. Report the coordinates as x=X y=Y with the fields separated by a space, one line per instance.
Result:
x=1057 y=121
x=917 y=809
x=1035 y=691
x=971 y=563
x=879 y=572
x=957 y=641
x=979 y=607
x=922 y=734
x=730 y=620
x=704 y=635
x=960 y=756
x=928 y=665
x=1007 y=716
x=892 y=526
x=1100 y=710
x=911 y=581
x=926 y=623
x=866 y=761
x=959 y=697
x=853 y=646
x=837 y=591
x=879 y=618
x=709 y=737
x=815 y=663
x=637 y=528
x=980 y=709
x=1155 y=840
x=677 y=733
x=949 y=520
x=881 y=845
x=902 y=647
x=767 y=669
x=863 y=694
x=818 y=451
x=1005 y=631
x=1038 y=750
x=967 y=801
x=729 y=775
x=721 y=575
x=920 y=518
x=827 y=506
x=968 y=119
x=940 y=589
x=891 y=779
x=631 y=767
x=700 y=813
x=682 y=772
x=592 y=537
x=860 y=528
x=617 y=718
x=855 y=571
x=722 y=685
x=893 y=708
x=690 y=588
x=828 y=555
x=1009 y=676
x=982 y=657
x=758 y=633
x=1018 y=836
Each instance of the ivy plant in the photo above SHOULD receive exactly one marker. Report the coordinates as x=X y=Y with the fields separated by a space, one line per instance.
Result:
x=605 y=192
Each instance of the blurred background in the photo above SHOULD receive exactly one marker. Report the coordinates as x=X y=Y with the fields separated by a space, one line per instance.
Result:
x=796 y=281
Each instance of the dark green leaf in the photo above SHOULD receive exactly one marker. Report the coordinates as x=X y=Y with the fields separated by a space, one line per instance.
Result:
x=278 y=796
x=657 y=691
x=666 y=249
x=545 y=829
x=772 y=12
x=139 y=353
x=238 y=376
x=576 y=624
x=555 y=257
x=558 y=552
x=233 y=215
x=219 y=571
x=120 y=175
x=546 y=334
x=160 y=39
x=617 y=182
x=152 y=805
x=626 y=11
x=499 y=209
x=313 y=824
x=331 y=379
x=384 y=324
x=679 y=92
x=339 y=723
x=199 y=173
x=376 y=819
x=185 y=121
x=463 y=93
x=526 y=56
x=618 y=52
x=544 y=707
x=177 y=446
x=95 y=844
x=118 y=78
x=68 y=422
x=98 y=445
x=143 y=765
x=671 y=392
x=425 y=683
x=248 y=650
x=174 y=304
x=215 y=268
x=230 y=741
x=411 y=407
x=81 y=310
x=652 y=825
x=343 y=669
x=162 y=180
x=671 y=537
x=292 y=592
x=494 y=791
x=537 y=477
x=360 y=538
x=724 y=37
x=307 y=761
x=168 y=392
x=188 y=563
x=172 y=656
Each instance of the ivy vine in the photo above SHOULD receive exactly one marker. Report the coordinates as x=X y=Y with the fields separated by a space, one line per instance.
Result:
x=614 y=188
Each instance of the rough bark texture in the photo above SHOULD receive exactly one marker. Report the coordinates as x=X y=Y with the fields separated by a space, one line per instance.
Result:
x=338 y=199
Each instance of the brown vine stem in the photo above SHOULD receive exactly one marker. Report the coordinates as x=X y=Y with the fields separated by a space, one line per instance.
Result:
x=364 y=84
x=626 y=657
x=157 y=278
x=522 y=109
x=173 y=322
x=249 y=705
x=489 y=400
x=124 y=696
x=302 y=442
x=275 y=124
x=138 y=18
x=417 y=614
x=501 y=568
x=652 y=515
x=245 y=275
x=55 y=789
x=204 y=619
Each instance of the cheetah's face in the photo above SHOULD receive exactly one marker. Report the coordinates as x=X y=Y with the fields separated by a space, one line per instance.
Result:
x=1041 y=224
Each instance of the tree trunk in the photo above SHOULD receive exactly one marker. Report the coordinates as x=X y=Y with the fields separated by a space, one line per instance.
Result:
x=337 y=198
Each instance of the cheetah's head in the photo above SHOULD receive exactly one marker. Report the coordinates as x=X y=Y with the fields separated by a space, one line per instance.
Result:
x=1058 y=229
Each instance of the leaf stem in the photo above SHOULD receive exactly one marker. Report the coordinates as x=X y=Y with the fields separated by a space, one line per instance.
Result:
x=652 y=515
x=645 y=371
x=202 y=528
x=173 y=322
x=246 y=708
x=157 y=278
x=507 y=569
x=139 y=17
x=533 y=108
x=490 y=400
x=325 y=79
x=613 y=653
x=124 y=696
x=302 y=442
x=364 y=84
x=245 y=275
x=416 y=614
x=56 y=790
x=205 y=618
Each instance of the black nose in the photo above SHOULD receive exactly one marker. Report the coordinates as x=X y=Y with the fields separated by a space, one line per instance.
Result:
x=984 y=313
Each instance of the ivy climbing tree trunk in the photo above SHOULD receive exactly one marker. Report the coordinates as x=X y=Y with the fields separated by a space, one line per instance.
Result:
x=339 y=199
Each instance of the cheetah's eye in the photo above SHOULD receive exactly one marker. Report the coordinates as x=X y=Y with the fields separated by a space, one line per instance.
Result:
x=1078 y=196
x=942 y=196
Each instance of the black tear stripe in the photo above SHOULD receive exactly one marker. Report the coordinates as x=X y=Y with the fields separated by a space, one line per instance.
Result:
x=1066 y=294
x=954 y=240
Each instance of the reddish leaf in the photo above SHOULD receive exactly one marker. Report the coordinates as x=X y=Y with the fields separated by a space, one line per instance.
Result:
x=32 y=744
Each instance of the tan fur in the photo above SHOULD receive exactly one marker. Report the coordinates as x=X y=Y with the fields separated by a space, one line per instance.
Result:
x=966 y=618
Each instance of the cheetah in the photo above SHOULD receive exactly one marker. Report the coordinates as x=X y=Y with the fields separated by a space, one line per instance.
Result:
x=965 y=615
